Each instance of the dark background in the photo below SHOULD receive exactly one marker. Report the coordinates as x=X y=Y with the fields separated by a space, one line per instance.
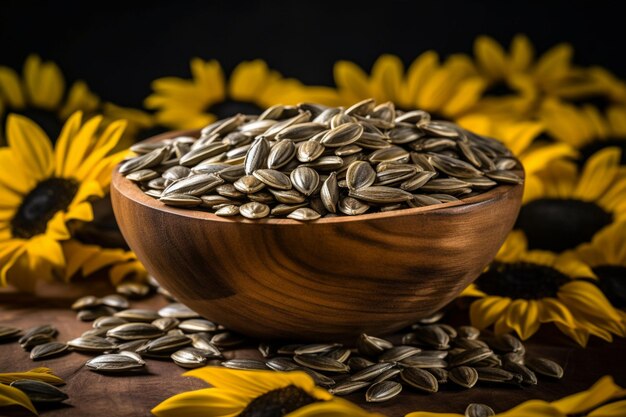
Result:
x=120 y=48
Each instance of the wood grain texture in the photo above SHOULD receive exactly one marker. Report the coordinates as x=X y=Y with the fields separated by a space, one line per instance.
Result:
x=326 y=280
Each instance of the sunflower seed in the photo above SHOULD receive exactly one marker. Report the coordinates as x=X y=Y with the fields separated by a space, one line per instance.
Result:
x=148 y=160
x=202 y=342
x=468 y=332
x=371 y=345
x=440 y=374
x=505 y=343
x=165 y=324
x=382 y=391
x=352 y=207
x=506 y=177
x=91 y=344
x=463 y=376
x=134 y=331
x=256 y=157
x=398 y=353
x=178 y=311
x=419 y=361
x=282 y=364
x=381 y=195
x=132 y=345
x=35 y=340
x=339 y=354
x=47 y=350
x=544 y=367
x=420 y=379
x=357 y=363
x=7 y=332
x=281 y=154
x=479 y=410
x=348 y=387
x=44 y=330
x=244 y=364
x=180 y=200
x=39 y=391
x=254 y=210
x=197 y=325
x=360 y=174
x=189 y=358
x=342 y=135
x=87 y=301
x=491 y=374
x=372 y=371
x=137 y=315
x=304 y=214
x=228 y=339
x=114 y=363
x=301 y=132
x=315 y=348
x=165 y=344
x=92 y=313
x=528 y=376
x=115 y=301
x=133 y=289
x=470 y=356
x=321 y=363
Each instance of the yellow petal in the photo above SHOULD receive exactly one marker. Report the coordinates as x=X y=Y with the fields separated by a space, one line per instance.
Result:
x=472 y=291
x=521 y=53
x=76 y=254
x=554 y=64
x=12 y=176
x=418 y=75
x=105 y=144
x=208 y=402
x=82 y=212
x=519 y=136
x=247 y=80
x=121 y=271
x=467 y=95
x=69 y=130
x=31 y=146
x=209 y=79
x=538 y=158
x=56 y=228
x=387 y=78
x=80 y=145
x=598 y=174
x=513 y=247
x=13 y=270
x=352 y=81
x=600 y=392
x=45 y=248
x=12 y=396
x=523 y=317
x=486 y=311
x=79 y=98
x=552 y=310
x=580 y=336
x=615 y=409
x=559 y=179
x=106 y=257
x=38 y=374
x=11 y=88
x=490 y=57
x=584 y=296
x=51 y=86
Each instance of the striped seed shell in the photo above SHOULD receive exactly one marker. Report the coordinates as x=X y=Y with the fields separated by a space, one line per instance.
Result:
x=372 y=371
x=273 y=178
x=464 y=376
x=281 y=154
x=138 y=315
x=348 y=387
x=420 y=379
x=189 y=358
x=39 y=391
x=321 y=363
x=342 y=135
x=479 y=410
x=244 y=364
x=254 y=210
x=114 y=363
x=381 y=195
x=544 y=367
x=383 y=391
x=360 y=174
x=256 y=157
x=48 y=350
x=178 y=311
x=134 y=331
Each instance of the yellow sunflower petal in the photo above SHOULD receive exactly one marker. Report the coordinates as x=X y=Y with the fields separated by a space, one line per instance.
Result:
x=554 y=64
x=248 y=79
x=614 y=409
x=523 y=317
x=519 y=135
x=513 y=247
x=580 y=336
x=522 y=54
x=472 y=291
x=467 y=95
x=571 y=266
x=31 y=146
x=79 y=98
x=12 y=176
x=12 y=396
x=76 y=254
x=208 y=402
x=552 y=310
x=121 y=271
x=12 y=270
x=80 y=145
x=387 y=78
x=82 y=212
x=486 y=311
x=537 y=158
x=106 y=257
x=417 y=76
x=600 y=392
x=210 y=80
x=50 y=88
x=616 y=117
x=598 y=174
x=585 y=296
x=39 y=374
x=11 y=88
x=68 y=132
x=56 y=228
x=105 y=144
x=490 y=57
x=559 y=179
x=352 y=81
x=42 y=247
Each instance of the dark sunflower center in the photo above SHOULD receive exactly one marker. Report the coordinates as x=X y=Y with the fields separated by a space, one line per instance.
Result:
x=40 y=205
x=560 y=224
x=612 y=282
x=500 y=89
x=593 y=147
x=229 y=108
x=521 y=280
x=278 y=402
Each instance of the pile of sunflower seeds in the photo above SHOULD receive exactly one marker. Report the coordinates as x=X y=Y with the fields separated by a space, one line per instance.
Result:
x=430 y=355
x=310 y=161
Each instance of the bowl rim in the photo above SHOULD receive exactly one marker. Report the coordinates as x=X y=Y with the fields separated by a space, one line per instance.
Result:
x=131 y=191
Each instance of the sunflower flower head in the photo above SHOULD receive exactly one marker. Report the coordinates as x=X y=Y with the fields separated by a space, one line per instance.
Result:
x=46 y=193
x=565 y=205
x=207 y=96
x=522 y=289
x=256 y=393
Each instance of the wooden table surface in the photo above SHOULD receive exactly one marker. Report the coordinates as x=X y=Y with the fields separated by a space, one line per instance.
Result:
x=93 y=394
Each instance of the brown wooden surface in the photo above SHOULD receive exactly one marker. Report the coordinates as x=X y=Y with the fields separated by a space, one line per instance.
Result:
x=333 y=278
x=95 y=395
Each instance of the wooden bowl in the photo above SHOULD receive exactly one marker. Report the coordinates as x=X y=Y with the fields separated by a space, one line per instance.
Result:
x=331 y=279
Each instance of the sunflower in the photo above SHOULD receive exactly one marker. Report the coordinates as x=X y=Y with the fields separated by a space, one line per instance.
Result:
x=10 y=396
x=255 y=393
x=190 y=104
x=518 y=83
x=606 y=255
x=522 y=289
x=40 y=94
x=565 y=206
x=603 y=399
x=46 y=193
x=585 y=128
